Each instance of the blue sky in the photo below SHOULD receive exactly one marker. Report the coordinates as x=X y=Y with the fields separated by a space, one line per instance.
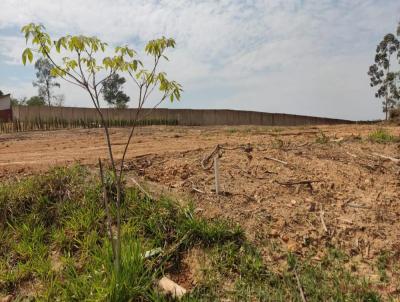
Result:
x=294 y=56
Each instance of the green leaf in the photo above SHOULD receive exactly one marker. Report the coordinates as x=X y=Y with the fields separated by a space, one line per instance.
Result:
x=27 y=54
x=30 y=55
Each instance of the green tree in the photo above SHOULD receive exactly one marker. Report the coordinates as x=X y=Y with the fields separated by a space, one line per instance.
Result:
x=35 y=101
x=85 y=65
x=16 y=102
x=112 y=91
x=383 y=72
x=45 y=80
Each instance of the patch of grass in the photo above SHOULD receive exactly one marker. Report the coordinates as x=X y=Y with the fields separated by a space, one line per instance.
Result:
x=232 y=130
x=322 y=138
x=382 y=136
x=53 y=239
x=278 y=129
x=241 y=130
x=250 y=279
x=60 y=214
x=382 y=264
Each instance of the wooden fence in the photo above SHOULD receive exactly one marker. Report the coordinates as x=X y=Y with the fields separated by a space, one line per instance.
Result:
x=45 y=118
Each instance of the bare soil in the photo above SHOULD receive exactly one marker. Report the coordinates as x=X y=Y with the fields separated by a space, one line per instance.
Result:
x=319 y=191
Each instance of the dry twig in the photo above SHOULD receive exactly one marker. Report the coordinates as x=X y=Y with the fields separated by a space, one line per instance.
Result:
x=206 y=163
x=300 y=182
x=303 y=297
x=360 y=206
x=277 y=160
x=198 y=191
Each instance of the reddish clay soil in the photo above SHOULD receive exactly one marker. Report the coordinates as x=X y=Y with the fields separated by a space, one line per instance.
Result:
x=289 y=190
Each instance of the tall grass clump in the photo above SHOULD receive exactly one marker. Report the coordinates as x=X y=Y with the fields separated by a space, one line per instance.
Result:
x=322 y=138
x=381 y=135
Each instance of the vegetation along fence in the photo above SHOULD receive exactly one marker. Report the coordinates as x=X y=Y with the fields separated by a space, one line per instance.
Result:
x=25 y=118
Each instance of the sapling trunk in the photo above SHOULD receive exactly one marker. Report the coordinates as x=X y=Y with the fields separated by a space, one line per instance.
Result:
x=107 y=209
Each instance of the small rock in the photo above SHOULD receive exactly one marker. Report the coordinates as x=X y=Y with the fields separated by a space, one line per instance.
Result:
x=7 y=298
x=285 y=238
x=293 y=202
x=170 y=288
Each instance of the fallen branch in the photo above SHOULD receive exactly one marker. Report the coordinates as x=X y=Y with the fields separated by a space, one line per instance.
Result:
x=300 y=182
x=195 y=189
x=352 y=205
x=277 y=160
x=396 y=160
x=198 y=191
x=206 y=163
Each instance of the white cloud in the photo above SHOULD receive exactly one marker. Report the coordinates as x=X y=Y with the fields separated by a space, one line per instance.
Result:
x=10 y=48
x=298 y=56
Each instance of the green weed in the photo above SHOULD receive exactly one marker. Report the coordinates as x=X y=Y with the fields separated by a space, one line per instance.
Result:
x=382 y=264
x=322 y=138
x=382 y=136
x=232 y=130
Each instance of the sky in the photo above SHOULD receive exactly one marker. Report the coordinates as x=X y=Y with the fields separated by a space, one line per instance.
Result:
x=307 y=57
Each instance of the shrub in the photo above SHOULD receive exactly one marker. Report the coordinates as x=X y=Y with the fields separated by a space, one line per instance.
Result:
x=382 y=136
x=322 y=138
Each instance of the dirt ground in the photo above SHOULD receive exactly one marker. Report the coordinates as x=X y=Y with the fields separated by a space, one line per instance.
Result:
x=298 y=189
